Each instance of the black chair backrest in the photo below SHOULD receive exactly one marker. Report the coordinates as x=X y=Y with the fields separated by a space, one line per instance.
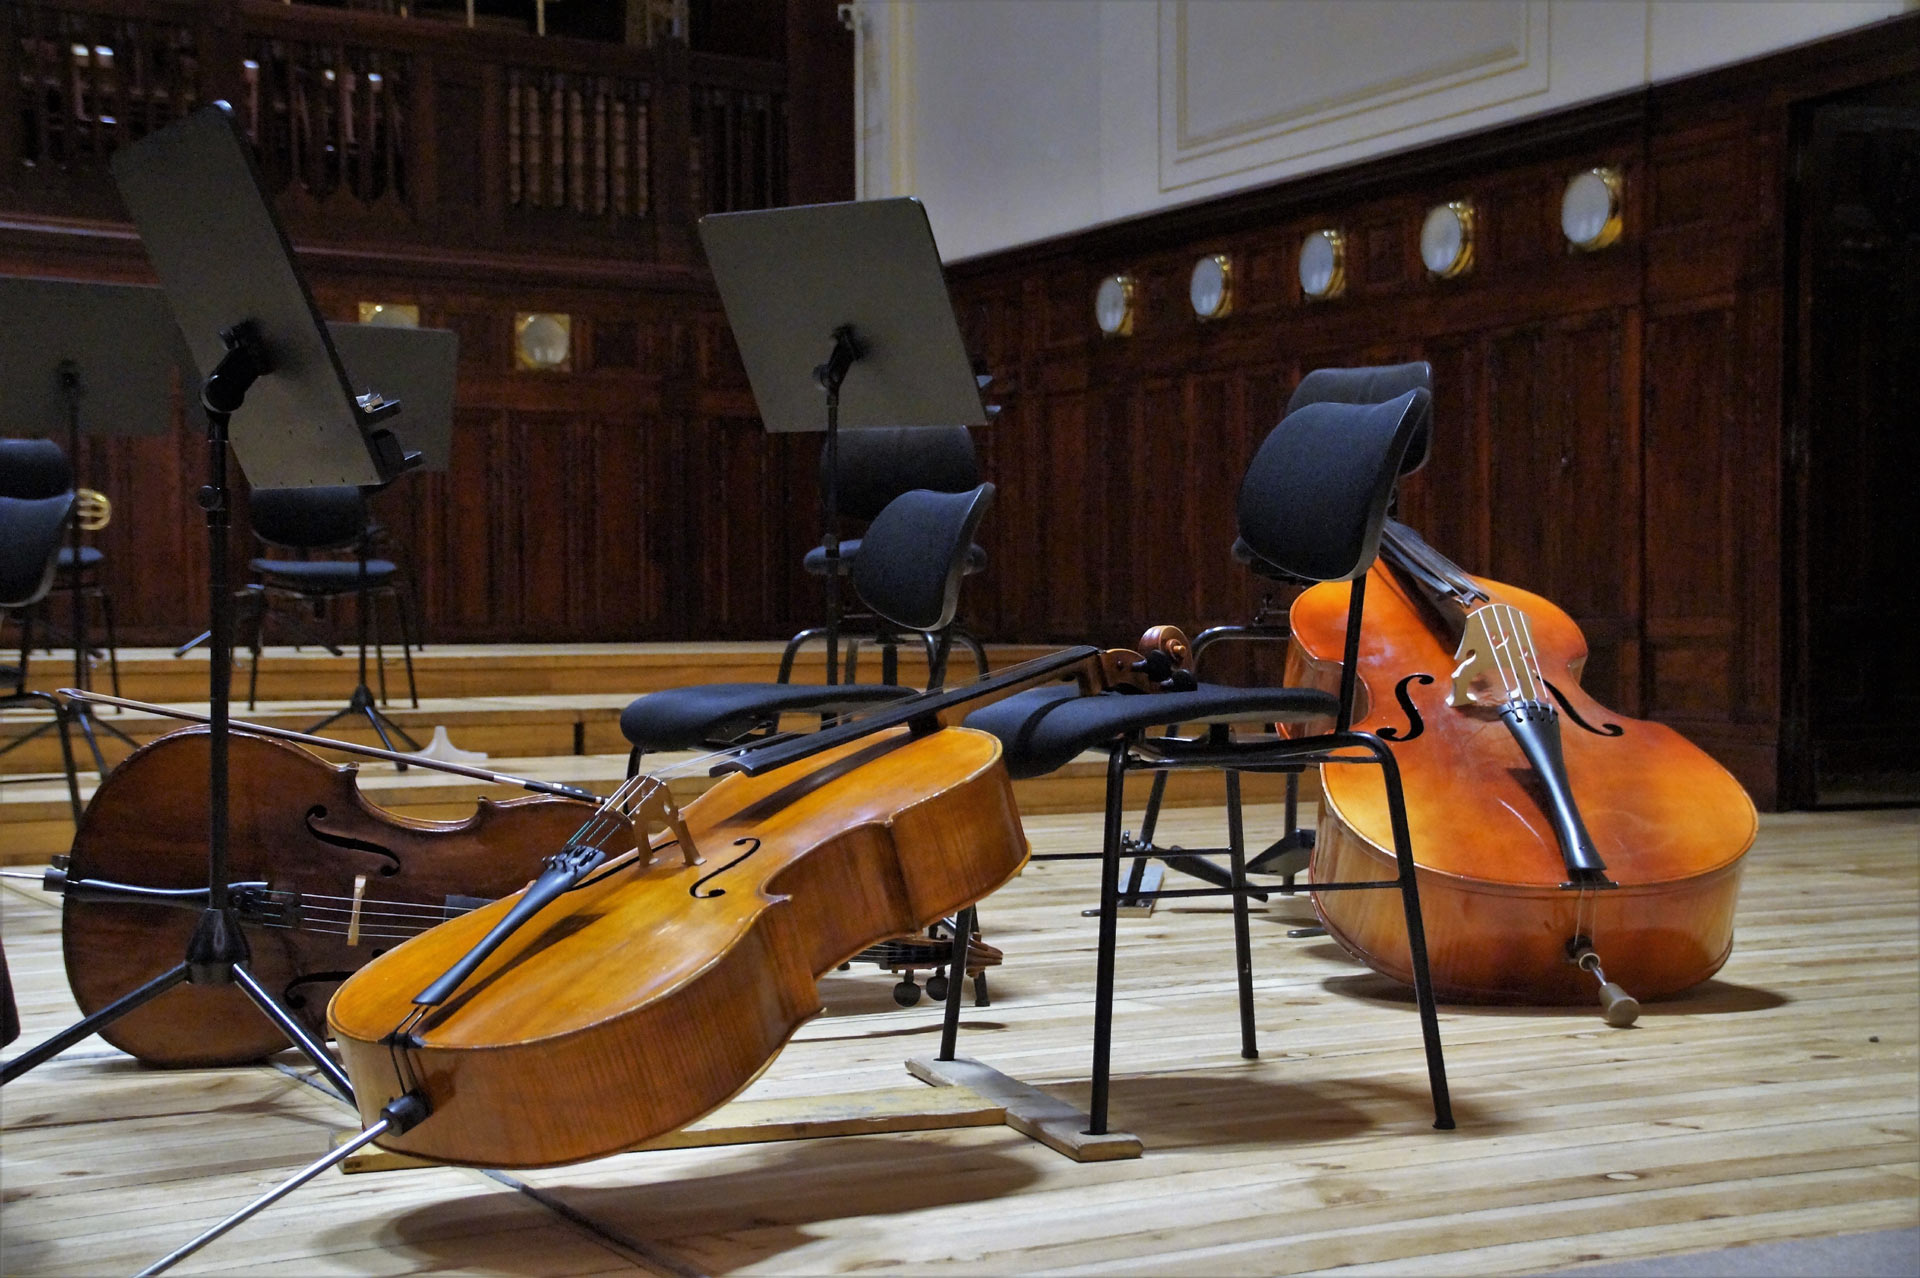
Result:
x=30 y=536
x=329 y=518
x=1373 y=385
x=878 y=463
x=1315 y=497
x=33 y=468
x=914 y=554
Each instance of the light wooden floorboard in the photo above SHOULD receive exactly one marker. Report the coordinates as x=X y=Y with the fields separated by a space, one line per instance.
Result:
x=1779 y=1100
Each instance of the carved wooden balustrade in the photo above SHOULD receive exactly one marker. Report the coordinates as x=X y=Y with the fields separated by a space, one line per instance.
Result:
x=371 y=126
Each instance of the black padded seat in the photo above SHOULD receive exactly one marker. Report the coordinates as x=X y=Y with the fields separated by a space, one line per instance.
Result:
x=322 y=576
x=682 y=718
x=1044 y=729
x=815 y=560
x=90 y=557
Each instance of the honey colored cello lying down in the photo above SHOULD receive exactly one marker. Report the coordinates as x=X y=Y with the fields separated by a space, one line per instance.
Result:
x=661 y=986
x=1549 y=833
x=640 y=982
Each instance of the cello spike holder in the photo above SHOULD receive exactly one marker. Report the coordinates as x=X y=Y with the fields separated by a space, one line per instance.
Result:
x=1619 y=1008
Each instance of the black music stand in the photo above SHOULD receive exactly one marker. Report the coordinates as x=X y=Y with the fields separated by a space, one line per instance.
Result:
x=274 y=389
x=860 y=282
x=84 y=358
x=419 y=365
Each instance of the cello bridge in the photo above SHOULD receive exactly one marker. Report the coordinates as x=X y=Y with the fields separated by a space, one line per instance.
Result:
x=655 y=812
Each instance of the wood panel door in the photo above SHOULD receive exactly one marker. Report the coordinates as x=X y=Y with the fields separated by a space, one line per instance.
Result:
x=1854 y=464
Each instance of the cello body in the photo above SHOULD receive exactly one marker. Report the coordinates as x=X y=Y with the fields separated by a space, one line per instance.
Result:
x=1503 y=922
x=655 y=989
x=300 y=827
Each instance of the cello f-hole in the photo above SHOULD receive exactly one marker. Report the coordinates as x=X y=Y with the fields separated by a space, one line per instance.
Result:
x=1415 y=724
x=1604 y=730
x=318 y=813
x=695 y=891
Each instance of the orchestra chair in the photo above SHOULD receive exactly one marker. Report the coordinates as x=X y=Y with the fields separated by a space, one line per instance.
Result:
x=332 y=520
x=1313 y=504
x=878 y=464
x=913 y=559
x=1287 y=855
x=38 y=468
x=30 y=535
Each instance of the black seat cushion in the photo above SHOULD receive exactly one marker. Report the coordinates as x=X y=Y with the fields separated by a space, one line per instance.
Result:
x=682 y=718
x=815 y=561
x=1043 y=729
x=323 y=576
x=90 y=557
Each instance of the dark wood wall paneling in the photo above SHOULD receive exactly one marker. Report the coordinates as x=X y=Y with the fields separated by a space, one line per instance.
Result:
x=1608 y=425
x=632 y=497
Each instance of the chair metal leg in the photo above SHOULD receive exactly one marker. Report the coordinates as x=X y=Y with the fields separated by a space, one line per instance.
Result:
x=1242 y=941
x=1416 y=929
x=793 y=649
x=1109 y=939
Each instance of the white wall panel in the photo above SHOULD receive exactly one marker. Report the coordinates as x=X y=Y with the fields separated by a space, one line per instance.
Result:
x=1016 y=120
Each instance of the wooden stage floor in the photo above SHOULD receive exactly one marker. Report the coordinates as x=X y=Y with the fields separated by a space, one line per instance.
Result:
x=1776 y=1101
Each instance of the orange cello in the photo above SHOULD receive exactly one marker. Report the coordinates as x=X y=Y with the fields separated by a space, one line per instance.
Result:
x=1549 y=833
x=643 y=979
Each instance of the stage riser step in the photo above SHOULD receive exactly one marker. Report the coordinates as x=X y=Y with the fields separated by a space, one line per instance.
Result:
x=476 y=670
x=35 y=824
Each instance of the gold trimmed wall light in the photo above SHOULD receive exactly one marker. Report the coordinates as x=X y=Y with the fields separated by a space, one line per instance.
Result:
x=390 y=314
x=1210 y=287
x=1590 y=209
x=1323 y=264
x=1446 y=239
x=1114 y=305
x=543 y=341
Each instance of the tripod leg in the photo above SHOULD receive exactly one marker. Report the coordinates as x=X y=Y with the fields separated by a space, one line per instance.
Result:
x=80 y=1029
x=309 y=1047
x=269 y=1198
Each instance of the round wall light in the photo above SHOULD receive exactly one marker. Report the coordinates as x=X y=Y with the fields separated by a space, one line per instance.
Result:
x=1446 y=239
x=1210 y=287
x=543 y=341
x=1590 y=209
x=1113 y=305
x=1323 y=264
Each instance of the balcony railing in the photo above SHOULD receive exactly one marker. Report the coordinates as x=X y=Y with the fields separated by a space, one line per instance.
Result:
x=363 y=121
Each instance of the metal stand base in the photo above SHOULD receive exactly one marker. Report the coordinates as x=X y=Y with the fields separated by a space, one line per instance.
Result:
x=362 y=703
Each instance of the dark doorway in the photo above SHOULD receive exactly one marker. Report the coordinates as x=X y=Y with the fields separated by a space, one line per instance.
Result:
x=1853 y=481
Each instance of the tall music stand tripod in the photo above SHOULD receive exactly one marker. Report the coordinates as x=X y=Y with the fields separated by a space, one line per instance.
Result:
x=860 y=283
x=77 y=359
x=275 y=392
x=420 y=364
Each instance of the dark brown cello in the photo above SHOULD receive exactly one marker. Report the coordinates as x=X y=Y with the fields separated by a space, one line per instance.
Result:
x=1548 y=831
x=322 y=881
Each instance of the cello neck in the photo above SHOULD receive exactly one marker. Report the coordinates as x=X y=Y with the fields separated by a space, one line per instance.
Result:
x=1440 y=582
